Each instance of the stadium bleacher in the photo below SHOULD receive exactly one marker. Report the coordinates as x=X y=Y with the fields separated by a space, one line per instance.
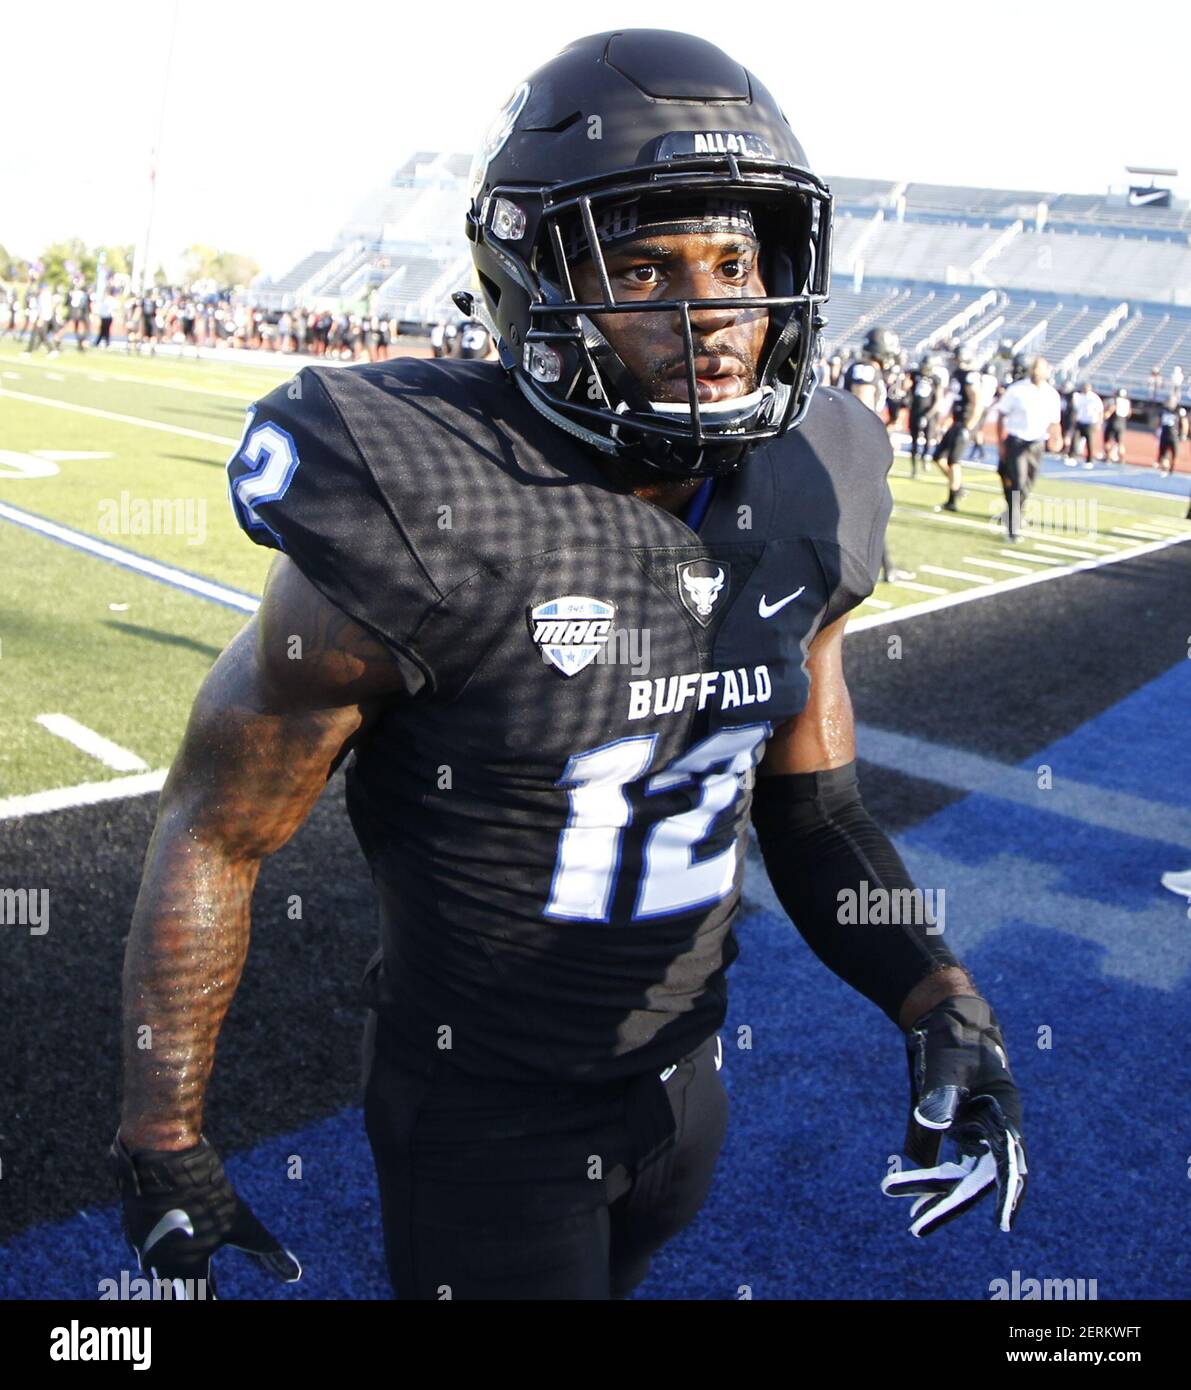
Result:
x=1091 y=264
x=972 y=202
x=1149 y=338
x=922 y=251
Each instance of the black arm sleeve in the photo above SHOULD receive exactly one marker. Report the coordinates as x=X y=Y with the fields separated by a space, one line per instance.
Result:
x=837 y=874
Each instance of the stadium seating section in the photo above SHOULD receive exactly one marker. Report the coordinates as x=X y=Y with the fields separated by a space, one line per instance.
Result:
x=1104 y=289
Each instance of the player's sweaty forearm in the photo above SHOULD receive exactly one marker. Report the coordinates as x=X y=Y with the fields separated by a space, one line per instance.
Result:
x=274 y=716
x=185 y=953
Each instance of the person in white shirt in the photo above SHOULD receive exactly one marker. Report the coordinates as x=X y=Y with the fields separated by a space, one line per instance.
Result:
x=1120 y=408
x=1029 y=411
x=1087 y=411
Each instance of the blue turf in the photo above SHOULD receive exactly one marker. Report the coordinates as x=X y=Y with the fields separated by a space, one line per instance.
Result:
x=1065 y=928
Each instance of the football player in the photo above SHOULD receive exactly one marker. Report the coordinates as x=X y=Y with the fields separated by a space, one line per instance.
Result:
x=925 y=394
x=557 y=840
x=897 y=392
x=967 y=408
x=1172 y=430
x=866 y=376
x=1087 y=412
x=1119 y=409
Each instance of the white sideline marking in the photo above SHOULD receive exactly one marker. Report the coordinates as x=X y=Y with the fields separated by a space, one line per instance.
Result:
x=1133 y=535
x=84 y=794
x=94 y=745
x=954 y=574
x=120 y=419
x=1122 y=812
x=997 y=565
x=128 y=559
x=11 y=376
x=874 y=603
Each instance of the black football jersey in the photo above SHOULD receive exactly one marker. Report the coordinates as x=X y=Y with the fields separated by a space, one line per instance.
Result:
x=556 y=820
x=861 y=374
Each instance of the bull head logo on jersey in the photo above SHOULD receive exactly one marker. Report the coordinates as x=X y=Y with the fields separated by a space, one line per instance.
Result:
x=700 y=583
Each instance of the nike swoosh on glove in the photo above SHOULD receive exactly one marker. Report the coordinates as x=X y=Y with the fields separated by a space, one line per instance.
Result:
x=960 y=1086
x=179 y=1208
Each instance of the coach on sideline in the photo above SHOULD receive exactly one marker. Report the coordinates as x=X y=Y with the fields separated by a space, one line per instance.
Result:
x=1029 y=410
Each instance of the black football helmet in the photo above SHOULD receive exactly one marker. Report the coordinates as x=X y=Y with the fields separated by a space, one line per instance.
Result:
x=883 y=344
x=657 y=128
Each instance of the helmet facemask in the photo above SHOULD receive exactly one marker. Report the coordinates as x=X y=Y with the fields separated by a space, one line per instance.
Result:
x=569 y=370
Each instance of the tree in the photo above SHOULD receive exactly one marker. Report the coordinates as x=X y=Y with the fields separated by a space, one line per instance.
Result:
x=201 y=262
x=63 y=260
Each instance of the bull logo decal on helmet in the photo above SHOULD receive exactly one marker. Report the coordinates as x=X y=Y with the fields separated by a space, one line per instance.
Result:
x=700 y=585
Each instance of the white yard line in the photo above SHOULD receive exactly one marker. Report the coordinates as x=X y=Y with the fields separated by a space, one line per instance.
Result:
x=948 y=519
x=94 y=745
x=117 y=377
x=84 y=794
x=120 y=419
x=1147 y=529
x=1004 y=586
x=918 y=588
x=1067 y=552
x=1107 y=546
x=997 y=565
x=1025 y=555
x=1133 y=535
x=953 y=574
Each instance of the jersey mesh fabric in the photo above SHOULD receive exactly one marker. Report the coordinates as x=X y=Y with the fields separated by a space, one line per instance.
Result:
x=432 y=505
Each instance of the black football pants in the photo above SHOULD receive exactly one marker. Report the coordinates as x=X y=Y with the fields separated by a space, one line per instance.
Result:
x=1018 y=469
x=490 y=1191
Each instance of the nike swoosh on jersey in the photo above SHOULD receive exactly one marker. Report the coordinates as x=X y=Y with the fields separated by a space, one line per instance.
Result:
x=174 y=1220
x=767 y=610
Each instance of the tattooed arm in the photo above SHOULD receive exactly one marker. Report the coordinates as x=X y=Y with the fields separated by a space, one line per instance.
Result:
x=265 y=733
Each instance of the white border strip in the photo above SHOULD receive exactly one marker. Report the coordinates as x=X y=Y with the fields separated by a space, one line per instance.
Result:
x=1004 y=586
x=127 y=559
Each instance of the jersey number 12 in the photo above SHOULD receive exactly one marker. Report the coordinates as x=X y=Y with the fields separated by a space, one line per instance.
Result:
x=590 y=845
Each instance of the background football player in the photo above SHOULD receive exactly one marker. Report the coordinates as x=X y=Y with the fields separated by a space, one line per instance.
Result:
x=926 y=393
x=557 y=841
x=967 y=410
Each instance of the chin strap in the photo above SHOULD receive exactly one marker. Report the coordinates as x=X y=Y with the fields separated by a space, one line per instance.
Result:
x=597 y=441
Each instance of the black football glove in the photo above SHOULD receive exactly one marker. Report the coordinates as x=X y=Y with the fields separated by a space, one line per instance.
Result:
x=960 y=1085
x=180 y=1208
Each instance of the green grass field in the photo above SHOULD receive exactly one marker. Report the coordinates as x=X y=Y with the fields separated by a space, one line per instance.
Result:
x=122 y=654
